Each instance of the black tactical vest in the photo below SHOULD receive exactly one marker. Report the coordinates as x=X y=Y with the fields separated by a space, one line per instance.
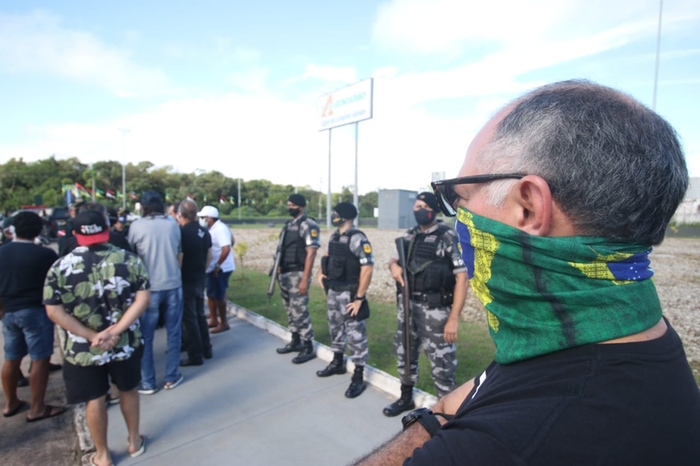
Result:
x=293 y=251
x=343 y=265
x=428 y=272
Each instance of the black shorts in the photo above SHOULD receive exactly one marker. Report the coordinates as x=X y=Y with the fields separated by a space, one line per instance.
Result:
x=85 y=383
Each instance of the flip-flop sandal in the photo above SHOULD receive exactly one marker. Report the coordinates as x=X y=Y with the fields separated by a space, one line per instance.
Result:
x=17 y=409
x=91 y=460
x=141 y=450
x=48 y=412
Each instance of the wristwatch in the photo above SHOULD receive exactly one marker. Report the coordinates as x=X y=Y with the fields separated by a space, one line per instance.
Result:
x=360 y=298
x=424 y=417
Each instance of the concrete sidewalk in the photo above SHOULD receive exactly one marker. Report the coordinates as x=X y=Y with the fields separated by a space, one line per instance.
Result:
x=251 y=406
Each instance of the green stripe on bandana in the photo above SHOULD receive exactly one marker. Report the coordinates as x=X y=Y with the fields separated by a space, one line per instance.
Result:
x=545 y=294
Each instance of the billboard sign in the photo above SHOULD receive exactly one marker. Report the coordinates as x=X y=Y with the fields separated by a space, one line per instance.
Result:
x=347 y=105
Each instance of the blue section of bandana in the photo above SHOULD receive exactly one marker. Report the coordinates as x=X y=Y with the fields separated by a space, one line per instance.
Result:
x=465 y=240
x=634 y=268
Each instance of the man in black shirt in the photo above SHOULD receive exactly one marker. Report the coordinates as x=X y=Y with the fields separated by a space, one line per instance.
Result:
x=196 y=254
x=558 y=202
x=26 y=327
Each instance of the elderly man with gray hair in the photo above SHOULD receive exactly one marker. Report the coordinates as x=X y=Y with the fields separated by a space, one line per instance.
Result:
x=560 y=198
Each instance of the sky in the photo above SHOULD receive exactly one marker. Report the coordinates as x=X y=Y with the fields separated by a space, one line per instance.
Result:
x=235 y=86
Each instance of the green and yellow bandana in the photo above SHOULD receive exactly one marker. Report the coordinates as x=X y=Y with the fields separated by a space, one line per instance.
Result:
x=545 y=294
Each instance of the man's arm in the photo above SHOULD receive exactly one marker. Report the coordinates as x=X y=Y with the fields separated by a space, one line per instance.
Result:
x=308 y=267
x=134 y=311
x=458 y=296
x=2 y=310
x=362 y=287
x=396 y=450
x=222 y=257
x=208 y=257
x=58 y=315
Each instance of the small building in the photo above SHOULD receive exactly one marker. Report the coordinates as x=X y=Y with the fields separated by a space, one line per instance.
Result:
x=689 y=210
x=396 y=208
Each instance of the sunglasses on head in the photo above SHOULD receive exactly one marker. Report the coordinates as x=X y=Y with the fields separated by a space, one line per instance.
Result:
x=447 y=198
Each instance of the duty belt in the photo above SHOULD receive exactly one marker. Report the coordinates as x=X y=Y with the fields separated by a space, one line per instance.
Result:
x=342 y=287
x=292 y=268
x=422 y=296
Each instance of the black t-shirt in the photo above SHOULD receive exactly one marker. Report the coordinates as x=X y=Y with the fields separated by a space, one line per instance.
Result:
x=617 y=404
x=23 y=268
x=196 y=241
x=70 y=242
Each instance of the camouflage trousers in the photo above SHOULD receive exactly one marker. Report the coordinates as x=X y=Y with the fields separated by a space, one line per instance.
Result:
x=427 y=329
x=345 y=330
x=296 y=304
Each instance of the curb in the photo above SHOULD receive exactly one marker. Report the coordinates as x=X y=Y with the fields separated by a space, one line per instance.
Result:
x=375 y=377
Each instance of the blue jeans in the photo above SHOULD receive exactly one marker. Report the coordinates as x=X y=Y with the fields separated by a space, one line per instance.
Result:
x=173 y=325
x=27 y=331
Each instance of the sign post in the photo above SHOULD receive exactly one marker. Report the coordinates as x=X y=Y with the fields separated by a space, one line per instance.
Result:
x=345 y=106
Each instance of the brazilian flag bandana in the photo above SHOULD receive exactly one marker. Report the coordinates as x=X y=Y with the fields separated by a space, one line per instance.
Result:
x=545 y=294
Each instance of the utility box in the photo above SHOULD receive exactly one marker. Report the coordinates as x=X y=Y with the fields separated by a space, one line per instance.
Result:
x=396 y=209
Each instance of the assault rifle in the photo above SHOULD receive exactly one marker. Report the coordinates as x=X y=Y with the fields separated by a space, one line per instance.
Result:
x=406 y=299
x=276 y=266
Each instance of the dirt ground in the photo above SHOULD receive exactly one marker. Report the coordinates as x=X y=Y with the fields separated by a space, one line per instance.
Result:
x=675 y=262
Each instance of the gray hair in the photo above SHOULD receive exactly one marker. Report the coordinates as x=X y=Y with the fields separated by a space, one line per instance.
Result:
x=615 y=167
x=188 y=209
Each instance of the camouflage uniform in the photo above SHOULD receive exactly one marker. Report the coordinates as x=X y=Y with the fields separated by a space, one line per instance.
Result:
x=307 y=232
x=343 y=328
x=428 y=320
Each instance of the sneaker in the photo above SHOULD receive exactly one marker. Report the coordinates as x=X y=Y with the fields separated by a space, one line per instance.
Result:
x=171 y=385
x=148 y=391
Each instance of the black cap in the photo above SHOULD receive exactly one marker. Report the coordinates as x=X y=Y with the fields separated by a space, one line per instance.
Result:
x=297 y=199
x=346 y=210
x=429 y=198
x=90 y=227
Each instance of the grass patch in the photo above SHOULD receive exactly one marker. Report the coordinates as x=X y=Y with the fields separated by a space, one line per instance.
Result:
x=475 y=349
x=695 y=366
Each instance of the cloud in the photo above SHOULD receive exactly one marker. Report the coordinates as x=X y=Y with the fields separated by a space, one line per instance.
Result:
x=451 y=28
x=346 y=75
x=38 y=43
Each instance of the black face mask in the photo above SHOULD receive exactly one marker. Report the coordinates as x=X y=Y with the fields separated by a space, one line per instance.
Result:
x=336 y=221
x=294 y=212
x=424 y=216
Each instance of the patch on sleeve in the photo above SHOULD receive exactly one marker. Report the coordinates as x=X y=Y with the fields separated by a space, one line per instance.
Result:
x=314 y=233
x=367 y=249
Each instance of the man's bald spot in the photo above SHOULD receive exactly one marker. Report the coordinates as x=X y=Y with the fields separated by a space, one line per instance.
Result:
x=188 y=209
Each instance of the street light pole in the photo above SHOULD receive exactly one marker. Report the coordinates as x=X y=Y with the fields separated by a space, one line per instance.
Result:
x=658 y=49
x=124 y=131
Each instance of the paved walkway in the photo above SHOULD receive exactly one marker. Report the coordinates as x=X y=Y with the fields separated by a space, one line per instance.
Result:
x=249 y=405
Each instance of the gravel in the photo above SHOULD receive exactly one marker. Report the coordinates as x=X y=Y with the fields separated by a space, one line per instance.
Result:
x=676 y=263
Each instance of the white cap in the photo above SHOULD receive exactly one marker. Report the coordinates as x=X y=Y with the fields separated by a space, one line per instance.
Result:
x=208 y=211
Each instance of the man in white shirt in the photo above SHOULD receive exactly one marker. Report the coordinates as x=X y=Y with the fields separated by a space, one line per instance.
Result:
x=220 y=267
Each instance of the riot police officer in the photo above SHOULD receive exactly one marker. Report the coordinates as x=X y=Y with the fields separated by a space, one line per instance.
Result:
x=346 y=272
x=297 y=254
x=438 y=287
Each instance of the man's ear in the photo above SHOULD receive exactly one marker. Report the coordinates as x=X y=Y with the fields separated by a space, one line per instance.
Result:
x=533 y=202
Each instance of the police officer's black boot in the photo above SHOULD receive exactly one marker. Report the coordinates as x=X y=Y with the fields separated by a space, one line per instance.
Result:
x=293 y=346
x=405 y=403
x=337 y=366
x=357 y=385
x=306 y=354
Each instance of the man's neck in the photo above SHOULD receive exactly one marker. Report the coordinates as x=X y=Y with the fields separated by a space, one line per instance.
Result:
x=427 y=227
x=345 y=227
x=23 y=240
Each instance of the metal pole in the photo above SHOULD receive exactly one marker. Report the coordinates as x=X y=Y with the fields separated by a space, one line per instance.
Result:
x=658 y=48
x=124 y=131
x=328 y=198
x=239 y=198
x=355 y=199
x=92 y=171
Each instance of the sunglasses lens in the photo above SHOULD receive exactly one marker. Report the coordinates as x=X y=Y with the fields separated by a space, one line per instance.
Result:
x=446 y=198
